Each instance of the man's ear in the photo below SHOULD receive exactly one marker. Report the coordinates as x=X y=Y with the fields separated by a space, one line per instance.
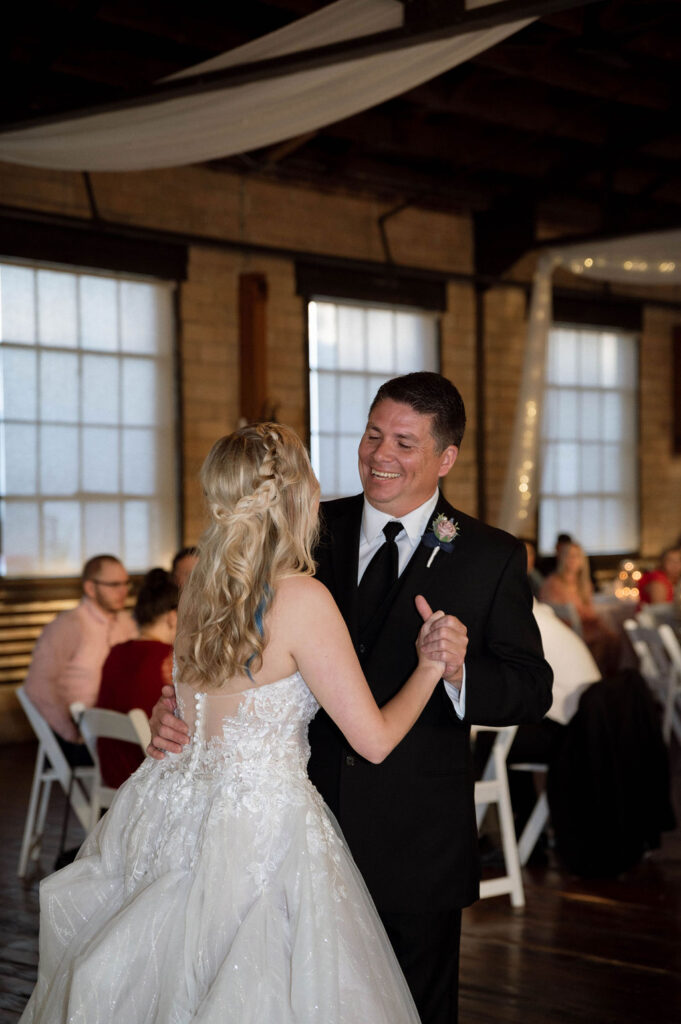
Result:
x=89 y=589
x=447 y=459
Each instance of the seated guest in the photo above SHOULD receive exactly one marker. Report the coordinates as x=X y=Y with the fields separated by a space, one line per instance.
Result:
x=534 y=577
x=135 y=671
x=68 y=657
x=183 y=563
x=658 y=586
x=574 y=669
x=570 y=585
x=548 y=563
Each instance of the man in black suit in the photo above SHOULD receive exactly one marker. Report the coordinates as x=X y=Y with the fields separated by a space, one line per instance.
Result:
x=410 y=821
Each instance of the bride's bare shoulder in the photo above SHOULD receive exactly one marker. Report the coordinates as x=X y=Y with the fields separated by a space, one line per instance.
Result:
x=301 y=589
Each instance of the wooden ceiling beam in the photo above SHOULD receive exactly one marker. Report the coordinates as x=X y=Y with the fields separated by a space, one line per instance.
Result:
x=519 y=59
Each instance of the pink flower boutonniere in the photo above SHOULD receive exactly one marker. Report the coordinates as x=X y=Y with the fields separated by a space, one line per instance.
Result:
x=444 y=533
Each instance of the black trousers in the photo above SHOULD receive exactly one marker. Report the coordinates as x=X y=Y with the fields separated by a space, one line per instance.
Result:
x=427 y=948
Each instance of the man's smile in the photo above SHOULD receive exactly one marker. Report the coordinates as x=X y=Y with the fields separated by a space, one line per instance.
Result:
x=384 y=475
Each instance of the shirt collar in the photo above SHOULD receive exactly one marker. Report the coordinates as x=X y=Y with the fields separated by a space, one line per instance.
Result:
x=96 y=612
x=414 y=522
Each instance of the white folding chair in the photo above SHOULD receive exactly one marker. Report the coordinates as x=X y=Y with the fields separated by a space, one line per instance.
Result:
x=536 y=823
x=657 y=666
x=100 y=723
x=671 y=721
x=493 y=788
x=50 y=766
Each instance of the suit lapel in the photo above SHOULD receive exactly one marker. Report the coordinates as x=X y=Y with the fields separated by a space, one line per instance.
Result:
x=417 y=578
x=345 y=560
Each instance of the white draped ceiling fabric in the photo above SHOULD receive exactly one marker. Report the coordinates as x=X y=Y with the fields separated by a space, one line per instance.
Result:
x=238 y=118
x=653 y=259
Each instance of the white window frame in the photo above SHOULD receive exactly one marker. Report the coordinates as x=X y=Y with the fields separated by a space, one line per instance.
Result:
x=147 y=513
x=345 y=376
x=601 y=508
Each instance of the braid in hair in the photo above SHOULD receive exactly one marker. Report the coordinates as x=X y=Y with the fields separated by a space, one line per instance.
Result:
x=260 y=492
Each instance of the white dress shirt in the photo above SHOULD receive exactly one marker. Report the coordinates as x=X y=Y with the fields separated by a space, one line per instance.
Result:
x=415 y=524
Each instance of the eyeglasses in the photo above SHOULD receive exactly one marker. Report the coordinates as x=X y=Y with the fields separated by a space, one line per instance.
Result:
x=128 y=584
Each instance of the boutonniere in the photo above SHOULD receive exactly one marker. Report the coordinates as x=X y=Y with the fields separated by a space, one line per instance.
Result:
x=444 y=533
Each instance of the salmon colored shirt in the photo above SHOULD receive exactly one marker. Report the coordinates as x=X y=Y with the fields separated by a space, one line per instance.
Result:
x=67 y=661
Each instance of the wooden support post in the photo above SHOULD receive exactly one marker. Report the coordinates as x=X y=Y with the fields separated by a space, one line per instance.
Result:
x=253 y=345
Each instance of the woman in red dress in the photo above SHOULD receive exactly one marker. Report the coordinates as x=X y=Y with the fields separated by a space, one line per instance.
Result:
x=135 y=671
x=657 y=586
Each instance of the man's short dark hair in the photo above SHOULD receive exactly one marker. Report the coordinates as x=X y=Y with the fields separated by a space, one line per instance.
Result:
x=93 y=566
x=184 y=553
x=430 y=394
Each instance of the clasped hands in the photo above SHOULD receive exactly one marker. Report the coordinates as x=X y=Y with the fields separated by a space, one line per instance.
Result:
x=444 y=638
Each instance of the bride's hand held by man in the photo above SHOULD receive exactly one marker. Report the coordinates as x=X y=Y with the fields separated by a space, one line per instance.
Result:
x=442 y=638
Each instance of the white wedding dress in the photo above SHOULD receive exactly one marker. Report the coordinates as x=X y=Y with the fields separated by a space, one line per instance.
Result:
x=218 y=889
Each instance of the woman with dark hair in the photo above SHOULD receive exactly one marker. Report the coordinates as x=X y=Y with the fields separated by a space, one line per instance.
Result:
x=134 y=672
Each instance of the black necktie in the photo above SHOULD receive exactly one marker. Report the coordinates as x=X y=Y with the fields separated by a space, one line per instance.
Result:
x=379 y=575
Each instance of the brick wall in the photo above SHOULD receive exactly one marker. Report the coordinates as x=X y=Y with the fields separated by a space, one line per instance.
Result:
x=660 y=483
x=202 y=202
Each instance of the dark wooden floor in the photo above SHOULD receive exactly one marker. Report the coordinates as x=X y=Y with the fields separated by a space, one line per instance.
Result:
x=578 y=953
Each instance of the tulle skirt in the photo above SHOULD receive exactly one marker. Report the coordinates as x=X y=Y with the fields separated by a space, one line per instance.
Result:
x=184 y=905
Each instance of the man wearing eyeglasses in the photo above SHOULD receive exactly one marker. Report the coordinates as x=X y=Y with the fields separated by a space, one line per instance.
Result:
x=69 y=655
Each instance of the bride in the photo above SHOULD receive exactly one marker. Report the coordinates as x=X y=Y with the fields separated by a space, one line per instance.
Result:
x=218 y=886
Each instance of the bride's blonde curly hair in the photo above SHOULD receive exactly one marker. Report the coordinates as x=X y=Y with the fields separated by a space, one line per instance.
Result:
x=263 y=499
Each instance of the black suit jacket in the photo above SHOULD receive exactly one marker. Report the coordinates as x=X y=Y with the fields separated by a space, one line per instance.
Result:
x=410 y=822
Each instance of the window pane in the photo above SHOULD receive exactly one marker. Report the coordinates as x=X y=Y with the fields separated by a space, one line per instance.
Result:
x=139 y=392
x=349 y=482
x=139 y=461
x=563 y=351
x=98 y=313
x=327 y=470
x=59 y=387
x=21 y=442
x=323 y=335
x=352 y=403
x=17 y=304
x=591 y=470
x=102 y=527
x=351 y=347
x=327 y=402
x=137 y=547
x=589 y=358
x=61 y=536
x=99 y=389
x=59 y=460
x=19 y=383
x=21 y=537
x=416 y=343
x=57 y=309
x=568 y=414
x=146 y=318
x=380 y=340
x=100 y=460
x=594 y=463
x=609 y=376
x=590 y=419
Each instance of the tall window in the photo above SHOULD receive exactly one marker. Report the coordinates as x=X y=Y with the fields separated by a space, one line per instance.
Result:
x=354 y=348
x=589 y=479
x=86 y=423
